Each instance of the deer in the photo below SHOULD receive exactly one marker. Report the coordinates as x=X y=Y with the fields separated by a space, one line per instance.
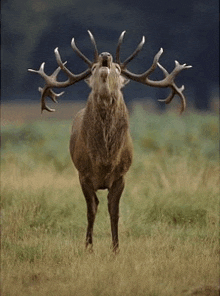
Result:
x=100 y=144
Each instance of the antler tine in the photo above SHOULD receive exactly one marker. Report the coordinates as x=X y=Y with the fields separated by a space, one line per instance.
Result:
x=142 y=77
x=154 y=65
x=168 y=81
x=139 y=47
x=96 y=54
x=179 y=92
x=51 y=81
x=72 y=78
x=40 y=71
x=52 y=94
x=119 y=47
x=80 y=54
x=47 y=91
x=61 y=64
x=175 y=90
x=44 y=93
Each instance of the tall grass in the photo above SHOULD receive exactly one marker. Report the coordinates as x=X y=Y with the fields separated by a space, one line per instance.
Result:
x=169 y=212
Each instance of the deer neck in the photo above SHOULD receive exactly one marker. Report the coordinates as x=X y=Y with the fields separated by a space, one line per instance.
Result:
x=105 y=96
x=106 y=103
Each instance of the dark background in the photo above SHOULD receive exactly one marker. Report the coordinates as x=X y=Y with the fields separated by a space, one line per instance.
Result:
x=187 y=30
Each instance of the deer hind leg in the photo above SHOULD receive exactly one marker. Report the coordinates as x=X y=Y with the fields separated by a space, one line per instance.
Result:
x=114 y=195
x=92 y=205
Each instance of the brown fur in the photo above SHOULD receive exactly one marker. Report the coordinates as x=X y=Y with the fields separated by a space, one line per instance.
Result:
x=100 y=144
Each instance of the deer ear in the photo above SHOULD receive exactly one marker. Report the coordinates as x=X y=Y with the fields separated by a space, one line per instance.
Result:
x=124 y=81
x=87 y=80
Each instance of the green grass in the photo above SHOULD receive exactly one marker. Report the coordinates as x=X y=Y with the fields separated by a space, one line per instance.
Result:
x=169 y=212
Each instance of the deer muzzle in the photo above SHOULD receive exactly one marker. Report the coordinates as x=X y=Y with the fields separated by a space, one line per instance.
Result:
x=105 y=59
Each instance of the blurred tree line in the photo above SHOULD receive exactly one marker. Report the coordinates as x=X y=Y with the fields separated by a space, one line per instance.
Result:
x=187 y=30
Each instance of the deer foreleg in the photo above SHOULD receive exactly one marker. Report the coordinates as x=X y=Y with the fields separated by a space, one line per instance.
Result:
x=114 y=195
x=92 y=205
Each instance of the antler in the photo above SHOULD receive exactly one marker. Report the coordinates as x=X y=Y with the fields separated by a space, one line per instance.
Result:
x=168 y=81
x=51 y=80
x=139 y=47
x=96 y=54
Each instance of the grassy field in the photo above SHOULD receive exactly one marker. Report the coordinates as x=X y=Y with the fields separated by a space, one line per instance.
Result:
x=169 y=212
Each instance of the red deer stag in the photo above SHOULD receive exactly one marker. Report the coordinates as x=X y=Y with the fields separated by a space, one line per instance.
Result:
x=100 y=143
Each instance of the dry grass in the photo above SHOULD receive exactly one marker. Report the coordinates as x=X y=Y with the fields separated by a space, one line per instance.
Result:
x=168 y=229
x=160 y=258
x=155 y=266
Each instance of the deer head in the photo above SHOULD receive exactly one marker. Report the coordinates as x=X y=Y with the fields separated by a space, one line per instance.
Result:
x=106 y=79
x=110 y=76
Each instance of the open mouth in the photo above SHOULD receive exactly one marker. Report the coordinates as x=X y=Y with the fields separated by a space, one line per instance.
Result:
x=105 y=63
